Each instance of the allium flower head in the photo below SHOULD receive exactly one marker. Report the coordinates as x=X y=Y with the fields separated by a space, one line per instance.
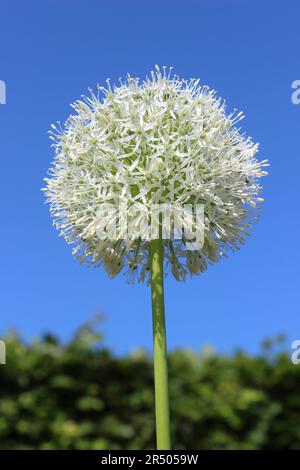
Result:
x=160 y=141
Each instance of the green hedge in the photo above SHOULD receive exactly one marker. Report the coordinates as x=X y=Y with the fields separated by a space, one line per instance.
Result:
x=80 y=396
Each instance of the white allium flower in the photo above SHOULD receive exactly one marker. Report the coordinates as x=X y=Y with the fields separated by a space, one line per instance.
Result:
x=163 y=140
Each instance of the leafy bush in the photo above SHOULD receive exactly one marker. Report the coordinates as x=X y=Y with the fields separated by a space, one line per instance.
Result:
x=80 y=396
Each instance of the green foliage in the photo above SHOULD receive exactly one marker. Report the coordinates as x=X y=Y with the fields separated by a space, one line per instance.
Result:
x=80 y=396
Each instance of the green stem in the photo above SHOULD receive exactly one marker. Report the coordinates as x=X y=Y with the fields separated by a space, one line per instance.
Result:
x=160 y=346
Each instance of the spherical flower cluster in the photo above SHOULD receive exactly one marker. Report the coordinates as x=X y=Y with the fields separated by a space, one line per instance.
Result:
x=160 y=141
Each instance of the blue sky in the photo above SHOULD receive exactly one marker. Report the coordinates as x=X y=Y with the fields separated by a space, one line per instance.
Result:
x=50 y=53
